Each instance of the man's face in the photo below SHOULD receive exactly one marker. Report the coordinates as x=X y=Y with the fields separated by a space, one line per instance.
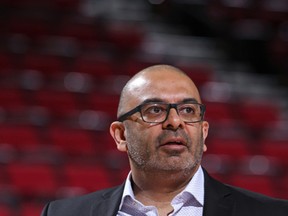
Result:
x=169 y=146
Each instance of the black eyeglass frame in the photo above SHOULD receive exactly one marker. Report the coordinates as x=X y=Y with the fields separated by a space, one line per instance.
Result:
x=170 y=105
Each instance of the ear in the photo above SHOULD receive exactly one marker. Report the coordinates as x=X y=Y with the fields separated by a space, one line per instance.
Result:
x=117 y=131
x=205 y=129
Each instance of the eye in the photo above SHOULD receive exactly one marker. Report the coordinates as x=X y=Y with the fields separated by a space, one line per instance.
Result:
x=153 y=109
x=187 y=109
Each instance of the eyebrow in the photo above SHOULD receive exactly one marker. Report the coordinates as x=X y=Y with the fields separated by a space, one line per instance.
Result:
x=157 y=100
x=152 y=100
x=193 y=100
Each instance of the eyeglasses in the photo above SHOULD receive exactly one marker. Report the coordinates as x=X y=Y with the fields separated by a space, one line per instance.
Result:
x=189 y=112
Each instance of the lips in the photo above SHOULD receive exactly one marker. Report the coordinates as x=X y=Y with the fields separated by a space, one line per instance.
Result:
x=173 y=146
x=174 y=141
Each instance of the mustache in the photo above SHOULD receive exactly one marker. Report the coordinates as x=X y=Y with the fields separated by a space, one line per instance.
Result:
x=170 y=133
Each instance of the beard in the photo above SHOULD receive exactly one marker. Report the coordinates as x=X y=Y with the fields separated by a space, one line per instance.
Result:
x=146 y=156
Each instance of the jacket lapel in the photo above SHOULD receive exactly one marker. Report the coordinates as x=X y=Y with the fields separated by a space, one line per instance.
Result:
x=218 y=201
x=109 y=204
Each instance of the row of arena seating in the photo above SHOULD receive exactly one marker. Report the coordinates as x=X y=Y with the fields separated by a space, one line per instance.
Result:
x=250 y=113
x=60 y=79
x=77 y=142
x=241 y=150
x=32 y=178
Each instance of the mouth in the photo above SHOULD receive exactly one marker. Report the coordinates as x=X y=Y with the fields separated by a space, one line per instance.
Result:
x=174 y=144
x=174 y=141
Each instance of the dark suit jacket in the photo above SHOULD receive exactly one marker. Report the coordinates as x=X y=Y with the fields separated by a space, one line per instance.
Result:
x=220 y=200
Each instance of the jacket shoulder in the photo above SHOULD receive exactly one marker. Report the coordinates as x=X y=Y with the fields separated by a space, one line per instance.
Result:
x=81 y=205
x=257 y=203
x=238 y=201
x=241 y=193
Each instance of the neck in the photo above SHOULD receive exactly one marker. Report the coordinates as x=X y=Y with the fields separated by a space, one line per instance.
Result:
x=160 y=186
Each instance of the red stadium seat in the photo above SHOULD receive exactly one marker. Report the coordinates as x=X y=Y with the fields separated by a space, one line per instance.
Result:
x=219 y=166
x=275 y=148
x=5 y=62
x=73 y=142
x=89 y=177
x=199 y=73
x=228 y=130
x=260 y=165
x=103 y=102
x=95 y=66
x=11 y=99
x=33 y=28
x=38 y=180
x=218 y=112
x=283 y=187
x=111 y=84
x=80 y=31
x=31 y=209
x=260 y=184
x=123 y=36
x=236 y=148
x=254 y=114
x=6 y=211
x=57 y=102
x=133 y=66
x=48 y=64
x=19 y=136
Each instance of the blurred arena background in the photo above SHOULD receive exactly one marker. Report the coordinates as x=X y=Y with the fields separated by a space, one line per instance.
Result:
x=63 y=63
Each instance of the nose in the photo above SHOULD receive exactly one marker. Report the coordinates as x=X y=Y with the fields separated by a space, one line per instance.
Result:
x=173 y=120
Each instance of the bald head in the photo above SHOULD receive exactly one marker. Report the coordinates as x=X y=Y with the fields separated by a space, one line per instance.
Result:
x=155 y=81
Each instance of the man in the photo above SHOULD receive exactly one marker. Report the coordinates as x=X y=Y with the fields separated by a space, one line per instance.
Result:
x=161 y=127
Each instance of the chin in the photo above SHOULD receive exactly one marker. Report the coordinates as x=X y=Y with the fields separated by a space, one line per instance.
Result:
x=179 y=165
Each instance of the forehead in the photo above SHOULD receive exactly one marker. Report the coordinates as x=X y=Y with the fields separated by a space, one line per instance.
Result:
x=167 y=86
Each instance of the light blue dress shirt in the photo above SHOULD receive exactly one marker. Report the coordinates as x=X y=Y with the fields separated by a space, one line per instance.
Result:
x=189 y=202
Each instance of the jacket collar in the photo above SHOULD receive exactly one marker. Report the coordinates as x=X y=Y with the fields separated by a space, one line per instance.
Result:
x=109 y=204
x=218 y=200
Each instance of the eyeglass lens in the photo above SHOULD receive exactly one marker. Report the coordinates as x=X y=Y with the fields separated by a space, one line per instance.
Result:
x=188 y=112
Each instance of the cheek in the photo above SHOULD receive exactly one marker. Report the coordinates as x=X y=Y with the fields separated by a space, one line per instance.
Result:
x=137 y=139
x=146 y=134
x=144 y=140
x=196 y=136
x=194 y=130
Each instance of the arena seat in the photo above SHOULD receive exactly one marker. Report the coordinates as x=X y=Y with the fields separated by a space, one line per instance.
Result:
x=72 y=142
x=253 y=114
x=236 y=148
x=11 y=99
x=6 y=62
x=89 y=177
x=30 y=180
x=31 y=209
x=257 y=183
x=58 y=103
x=48 y=64
x=19 y=136
x=275 y=148
x=94 y=66
x=6 y=211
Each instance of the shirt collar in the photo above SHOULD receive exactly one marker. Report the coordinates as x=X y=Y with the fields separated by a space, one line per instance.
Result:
x=195 y=188
x=128 y=191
